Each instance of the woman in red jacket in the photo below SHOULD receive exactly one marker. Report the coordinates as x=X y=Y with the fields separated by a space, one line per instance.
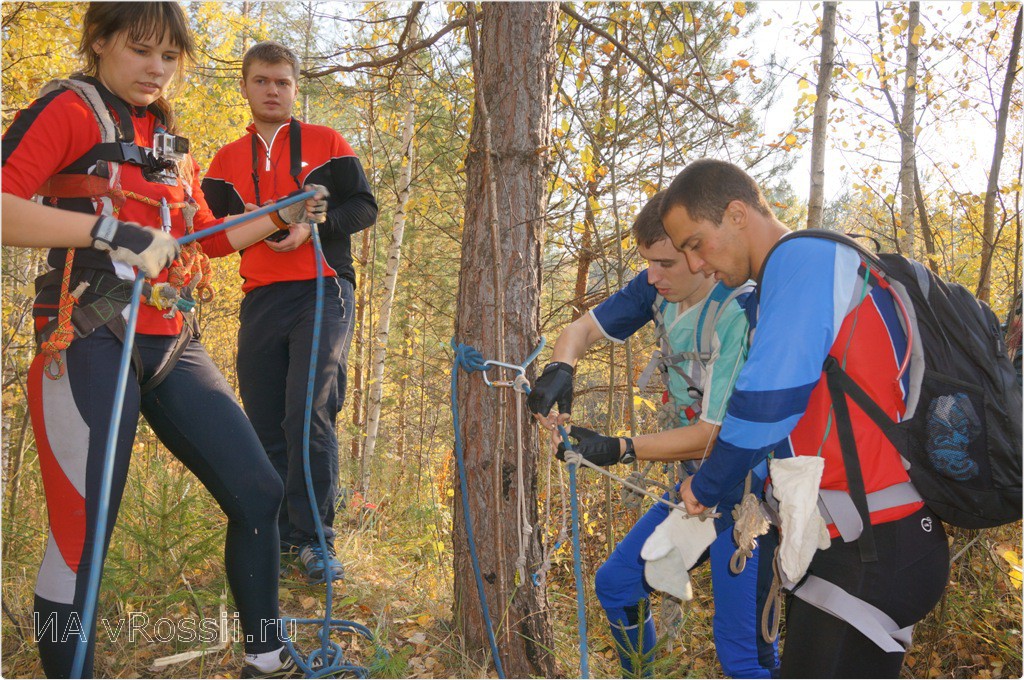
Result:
x=116 y=187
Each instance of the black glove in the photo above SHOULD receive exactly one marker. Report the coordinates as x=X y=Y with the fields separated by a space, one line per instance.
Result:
x=595 y=447
x=151 y=250
x=553 y=385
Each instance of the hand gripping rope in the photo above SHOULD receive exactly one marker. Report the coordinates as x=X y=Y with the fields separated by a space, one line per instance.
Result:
x=327 y=652
x=471 y=360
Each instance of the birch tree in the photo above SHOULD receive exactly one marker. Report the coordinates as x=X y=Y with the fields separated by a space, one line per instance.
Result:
x=380 y=349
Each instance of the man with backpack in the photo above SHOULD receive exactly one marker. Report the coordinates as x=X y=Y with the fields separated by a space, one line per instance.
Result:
x=703 y=333
x=819 y=306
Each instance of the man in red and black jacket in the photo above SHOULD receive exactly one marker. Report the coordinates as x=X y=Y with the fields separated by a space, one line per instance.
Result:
x=277 y=156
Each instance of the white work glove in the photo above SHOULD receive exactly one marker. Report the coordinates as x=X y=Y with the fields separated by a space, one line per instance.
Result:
x=151 y=250
x=311 y=210
x=795 y=483
x=672 y=549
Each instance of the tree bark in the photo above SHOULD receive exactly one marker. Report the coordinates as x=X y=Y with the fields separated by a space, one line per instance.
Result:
x=380 y=349
x=907 y=135
x=989 y=221
x=510 y=137
x=926 y=227
x=820 y=127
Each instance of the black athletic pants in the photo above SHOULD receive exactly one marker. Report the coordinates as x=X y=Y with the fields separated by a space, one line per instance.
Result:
x=275 y=341
x=195 y=415
x=906 y=582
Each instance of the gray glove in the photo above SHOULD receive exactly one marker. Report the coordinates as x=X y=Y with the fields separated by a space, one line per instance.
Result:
x=151 y=250
x=311 y=210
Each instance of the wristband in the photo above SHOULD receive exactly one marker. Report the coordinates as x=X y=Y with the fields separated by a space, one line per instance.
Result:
x=275 y=217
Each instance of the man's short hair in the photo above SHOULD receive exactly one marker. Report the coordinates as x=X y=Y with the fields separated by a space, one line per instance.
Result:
x=647 y=227
x=270 y=52
x=707 y=186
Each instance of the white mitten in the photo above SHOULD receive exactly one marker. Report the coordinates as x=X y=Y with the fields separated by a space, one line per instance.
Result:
x=795 y=483
x=672 y=549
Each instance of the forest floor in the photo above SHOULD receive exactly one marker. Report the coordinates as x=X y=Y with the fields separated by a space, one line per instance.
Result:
x=165 y=571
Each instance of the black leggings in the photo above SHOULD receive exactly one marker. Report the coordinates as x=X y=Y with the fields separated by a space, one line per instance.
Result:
x=906 y=582
x=195 y=414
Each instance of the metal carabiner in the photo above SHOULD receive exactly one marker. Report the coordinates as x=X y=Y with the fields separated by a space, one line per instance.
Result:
x=501 y=364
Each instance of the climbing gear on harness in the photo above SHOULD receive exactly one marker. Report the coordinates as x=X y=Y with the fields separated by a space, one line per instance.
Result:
x=749 y=523
x=150 y=250
x=771 y=615
x=958 y=363
x=554 y=385
x=107 y=473
x=317 y=563
x=592 y=446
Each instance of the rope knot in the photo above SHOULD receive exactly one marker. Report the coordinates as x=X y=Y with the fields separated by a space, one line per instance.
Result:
x=468 y=357
x=521 y=384
x=572 y=458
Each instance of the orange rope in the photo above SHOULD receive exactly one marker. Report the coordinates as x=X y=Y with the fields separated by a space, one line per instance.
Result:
x=64 y=333
x=191 y=262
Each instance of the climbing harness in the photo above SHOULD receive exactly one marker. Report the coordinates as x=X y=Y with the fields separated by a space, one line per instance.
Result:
x=665 y=359
x=97 y=177
x=107 y=476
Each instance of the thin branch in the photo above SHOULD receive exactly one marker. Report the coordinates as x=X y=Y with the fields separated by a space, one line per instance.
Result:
x=567 y=9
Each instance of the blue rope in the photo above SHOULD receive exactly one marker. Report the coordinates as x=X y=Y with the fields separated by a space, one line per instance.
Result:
x=329 y=659
x=581 y=609
x=106 y=483
x=469 y=359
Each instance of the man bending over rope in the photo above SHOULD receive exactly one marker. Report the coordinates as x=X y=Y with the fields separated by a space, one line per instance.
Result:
x=703 y=332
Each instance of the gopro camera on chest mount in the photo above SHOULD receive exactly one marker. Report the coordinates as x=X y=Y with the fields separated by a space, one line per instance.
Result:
x=168 y=151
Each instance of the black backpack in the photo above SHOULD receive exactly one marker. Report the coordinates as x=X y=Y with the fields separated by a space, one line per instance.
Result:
x=961 y=432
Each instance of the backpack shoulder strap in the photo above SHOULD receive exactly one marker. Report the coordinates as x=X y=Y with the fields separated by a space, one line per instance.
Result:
x=869 y=257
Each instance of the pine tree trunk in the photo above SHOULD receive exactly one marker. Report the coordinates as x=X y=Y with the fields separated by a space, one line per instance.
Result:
x=816 y=200
x=505 y=200
x=988 y=241
x=380 y=349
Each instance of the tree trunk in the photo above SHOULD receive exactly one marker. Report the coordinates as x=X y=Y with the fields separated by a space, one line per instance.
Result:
x=907 y=134
x=825 y=65
x=506 y=200
x=989 y=223
x=926 y=227
x=380 y=349
x=358 y=360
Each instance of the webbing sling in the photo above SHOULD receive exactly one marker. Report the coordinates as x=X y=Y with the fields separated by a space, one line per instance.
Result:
x=295 y=158
x=869 y=620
